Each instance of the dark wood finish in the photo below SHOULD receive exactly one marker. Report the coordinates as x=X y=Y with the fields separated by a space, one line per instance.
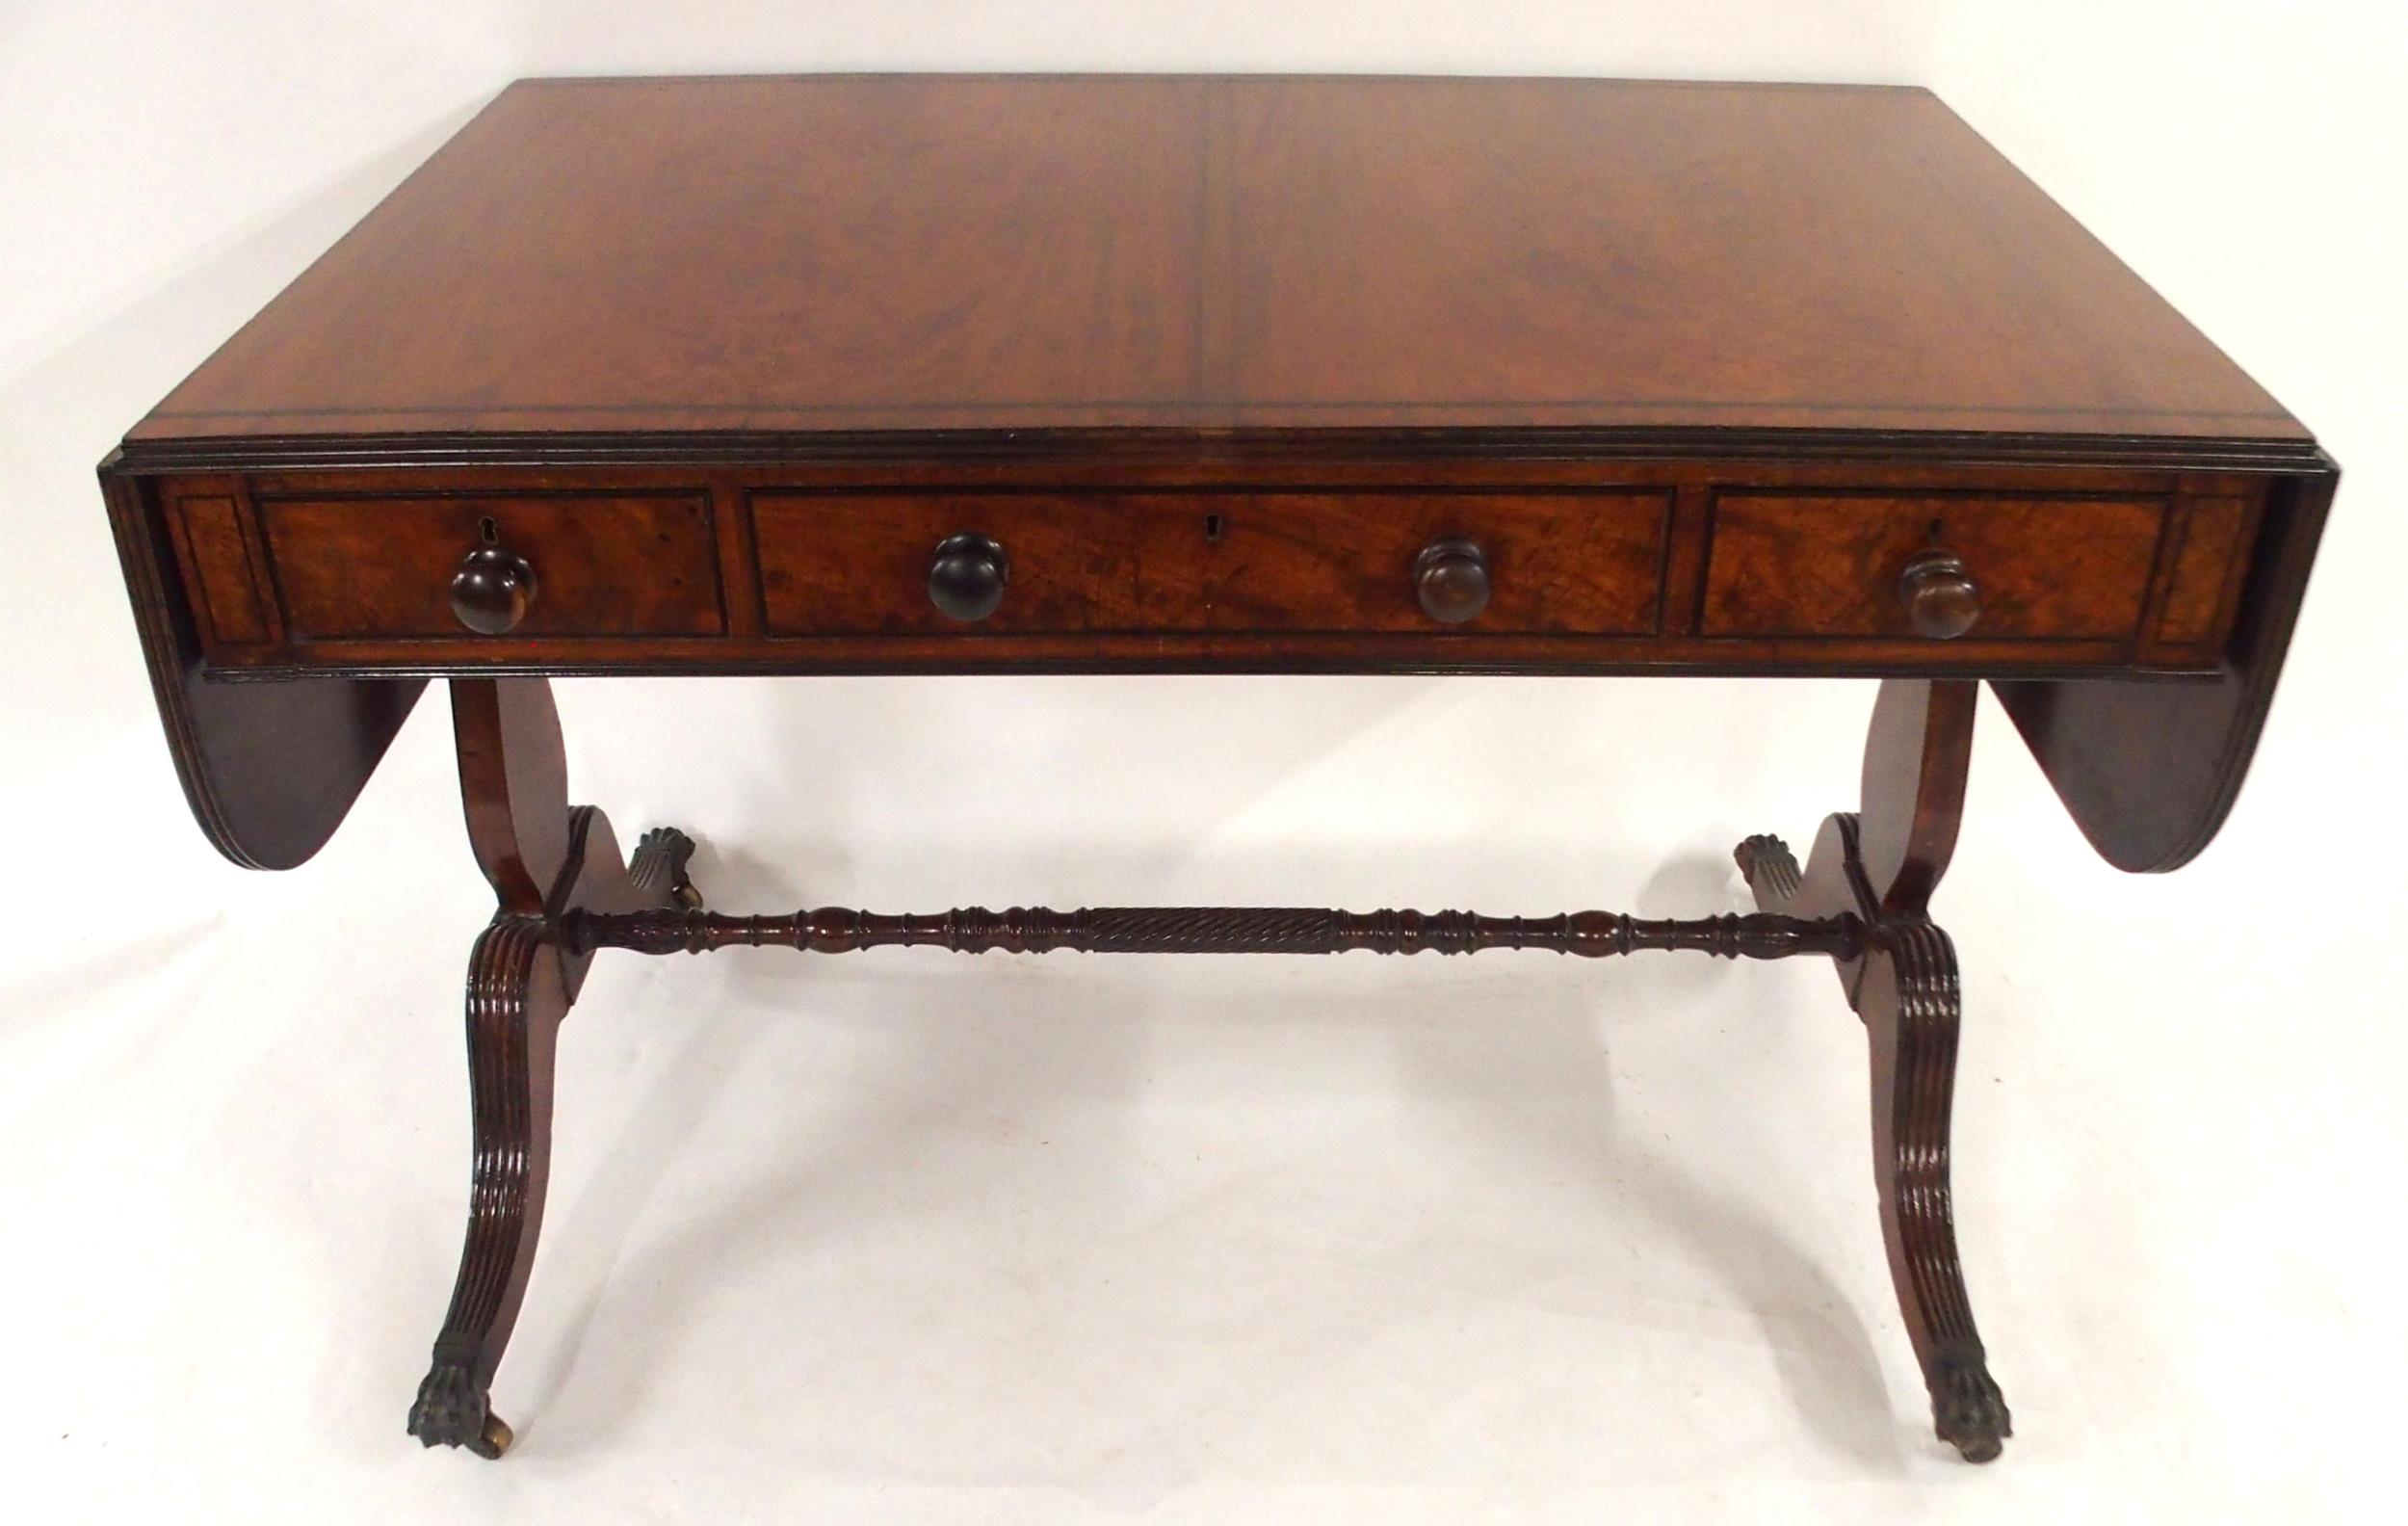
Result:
x=851 y=564
x=967 y=578
x=605 y=564
x=1211 y=929
x=1941 y=599
x=828 y=572
x=1205 y=374
x=268 y=770
x=492 y=588
x=1177 y=563
x=1880 y=866
x=2211 y=554
x=515 y=1006
x=1863 y=902
x=545 y=860
x=1557 y=565
x=1451 y=579
x=1105 y=288
x=214 y=549
x=2149 y=771
x=948 y=252
x=1799 y=564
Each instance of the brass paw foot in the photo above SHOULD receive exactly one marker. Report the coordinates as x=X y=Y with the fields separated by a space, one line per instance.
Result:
x=1770 y=869
x=452 y=1410
x=658 y=865
x=1967 y=1410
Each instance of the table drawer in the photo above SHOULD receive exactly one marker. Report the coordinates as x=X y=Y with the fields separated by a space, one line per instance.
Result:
x=603 y=563
x=1754 y=569
x=1833 y=564
x=859 y=564
x=1588 y=562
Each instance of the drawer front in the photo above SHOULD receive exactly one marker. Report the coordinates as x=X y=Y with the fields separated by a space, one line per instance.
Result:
x=603 y=563
x=1831 y=565
x=1541 y=567
x=855 y=564
x=1557 y=563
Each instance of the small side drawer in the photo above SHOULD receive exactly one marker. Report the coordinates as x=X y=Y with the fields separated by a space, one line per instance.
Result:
x=1831 y=564
x=603 y=563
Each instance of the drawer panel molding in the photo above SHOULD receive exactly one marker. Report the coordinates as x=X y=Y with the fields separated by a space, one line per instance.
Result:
x=605 y=564
x=1831 y=565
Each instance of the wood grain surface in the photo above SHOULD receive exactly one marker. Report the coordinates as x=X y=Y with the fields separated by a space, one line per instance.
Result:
x=1816 y=564
x=906 y=291
x=611 y=564
x=948 y=252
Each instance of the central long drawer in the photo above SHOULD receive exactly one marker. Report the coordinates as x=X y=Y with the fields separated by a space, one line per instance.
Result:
x=845 y=564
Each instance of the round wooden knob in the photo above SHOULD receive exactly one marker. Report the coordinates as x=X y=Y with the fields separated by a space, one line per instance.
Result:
x=1451 y=579
x=492 y=588
x=1941 y=599
x=966 y=580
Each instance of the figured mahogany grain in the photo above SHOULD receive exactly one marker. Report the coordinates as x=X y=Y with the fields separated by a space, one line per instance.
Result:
x=1558 y=563
x=857 y=564
x=212 y=547
x=1216 y=359
x=1182 y=563
x=2209 y=557
x=606 y=564
x=1110 y=284
x=1813 y=565
x=910 y=252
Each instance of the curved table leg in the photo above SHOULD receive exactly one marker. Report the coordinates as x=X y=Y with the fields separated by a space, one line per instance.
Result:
x=1909 y=1003
x=547 y=860
x=517 y=1000
x=544 y=858
x=1881 y=865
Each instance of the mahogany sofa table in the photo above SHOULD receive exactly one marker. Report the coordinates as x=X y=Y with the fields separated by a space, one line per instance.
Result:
x=964 y=375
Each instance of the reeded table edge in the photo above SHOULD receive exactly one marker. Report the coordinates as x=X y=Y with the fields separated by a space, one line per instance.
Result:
x=1234 y=446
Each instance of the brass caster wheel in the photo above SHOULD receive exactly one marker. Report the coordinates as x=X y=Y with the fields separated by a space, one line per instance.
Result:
x=495 y=1439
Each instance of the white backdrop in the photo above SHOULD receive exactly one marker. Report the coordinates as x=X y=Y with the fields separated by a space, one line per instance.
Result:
x=913 y=1237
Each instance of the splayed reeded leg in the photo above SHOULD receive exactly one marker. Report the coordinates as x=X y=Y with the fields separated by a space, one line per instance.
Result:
x=1882 y=865
x=544 y=860
x=1861 y=900
x=515 y=1004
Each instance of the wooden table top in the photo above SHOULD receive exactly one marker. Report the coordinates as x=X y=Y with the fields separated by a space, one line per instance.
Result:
x=1202 y=254
x=968 y=374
